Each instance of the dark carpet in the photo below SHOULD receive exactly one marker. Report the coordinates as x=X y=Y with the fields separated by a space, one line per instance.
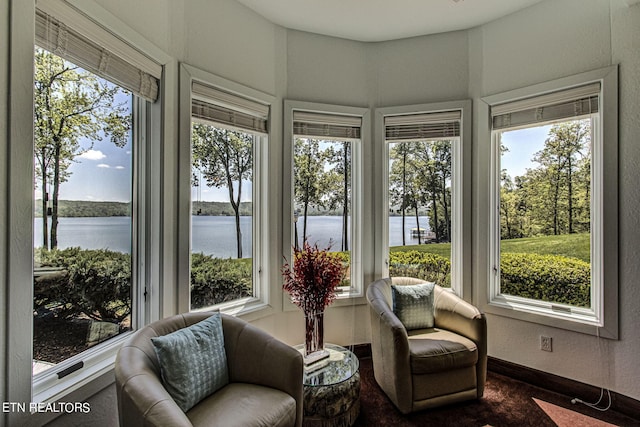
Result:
x=506 y=402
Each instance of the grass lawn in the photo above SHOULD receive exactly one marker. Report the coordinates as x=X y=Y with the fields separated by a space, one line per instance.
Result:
x=569 y=245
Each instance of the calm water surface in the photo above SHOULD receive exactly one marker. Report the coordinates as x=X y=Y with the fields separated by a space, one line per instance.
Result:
x=211 y=235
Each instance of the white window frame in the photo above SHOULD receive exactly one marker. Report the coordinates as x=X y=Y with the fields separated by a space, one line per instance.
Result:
x=259 y=303
x=460 y=190
x=359 y=239
x=99 y=361
x=602 y=318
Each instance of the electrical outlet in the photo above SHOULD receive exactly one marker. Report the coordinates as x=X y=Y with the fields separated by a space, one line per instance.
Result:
x=545 y=343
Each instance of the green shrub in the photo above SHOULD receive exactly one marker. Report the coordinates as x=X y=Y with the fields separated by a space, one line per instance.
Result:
x=96 y=283
x=216 y=280
x=421 y=265
x=548 y=278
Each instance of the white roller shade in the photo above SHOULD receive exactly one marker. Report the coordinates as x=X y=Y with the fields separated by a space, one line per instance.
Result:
x=323 y=125
x=445 y=124
x=71 y=35
x=565 y=104
x=215 y=105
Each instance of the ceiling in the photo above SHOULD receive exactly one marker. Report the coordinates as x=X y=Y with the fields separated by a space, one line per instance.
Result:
x=382 y=20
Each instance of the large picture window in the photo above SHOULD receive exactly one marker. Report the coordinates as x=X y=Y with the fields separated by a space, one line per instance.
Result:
x=424 y=209
x=83 y=160
x=546 y=211
x=92 y=126
x=326 y=186
x=548 y=252
x=228 y=134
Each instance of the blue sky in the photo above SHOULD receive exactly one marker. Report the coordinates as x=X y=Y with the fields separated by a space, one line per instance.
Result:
x=104 y=172
x=101 y=173
x=522 y=145
x=213 y=194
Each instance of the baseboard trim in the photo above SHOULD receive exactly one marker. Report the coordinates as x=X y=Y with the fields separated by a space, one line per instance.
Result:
x=570 y=388
x=362 y=351
x=619 y=403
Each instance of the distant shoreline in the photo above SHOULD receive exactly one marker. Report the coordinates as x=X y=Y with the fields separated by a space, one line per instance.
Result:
x=86 y=209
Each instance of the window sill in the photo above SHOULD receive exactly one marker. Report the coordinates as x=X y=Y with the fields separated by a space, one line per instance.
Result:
x=248 y=309
x=49 y=388
x=554 y=315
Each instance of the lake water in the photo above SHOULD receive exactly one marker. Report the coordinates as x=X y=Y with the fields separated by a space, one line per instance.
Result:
x=212 y=235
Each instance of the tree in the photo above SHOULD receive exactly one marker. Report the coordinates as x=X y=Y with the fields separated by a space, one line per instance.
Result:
x=509 y=224
x=560 y=157
x=434 y=173
x=442 y=169
x=225 y=159
x=308 y=163
x=553 y=197
x=338 y=184
x=72 y=106
x=401 y=178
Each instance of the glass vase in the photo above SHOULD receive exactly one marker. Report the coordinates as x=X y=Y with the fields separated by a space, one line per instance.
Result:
x=314 y=337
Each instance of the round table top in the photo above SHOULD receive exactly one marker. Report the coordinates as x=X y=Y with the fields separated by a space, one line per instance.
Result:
x=340 y=366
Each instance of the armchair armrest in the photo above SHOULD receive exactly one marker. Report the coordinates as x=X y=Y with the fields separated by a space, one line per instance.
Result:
x=390 y=347
x=144 y=400
x=255 y=357
x=457 y=315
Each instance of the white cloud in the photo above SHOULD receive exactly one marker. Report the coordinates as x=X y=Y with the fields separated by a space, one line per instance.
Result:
x=102 y=165
x=92 y=155
x=119 y=167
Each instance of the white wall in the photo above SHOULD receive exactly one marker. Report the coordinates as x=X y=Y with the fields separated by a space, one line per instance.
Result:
x=420 y=70
x=625 y=40
x=221 y=37
x=551 y=40
x=154 y=19
x=326 y=70
x=4 y=101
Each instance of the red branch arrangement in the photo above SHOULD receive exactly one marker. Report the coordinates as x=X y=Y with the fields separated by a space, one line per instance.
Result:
x=313 y=280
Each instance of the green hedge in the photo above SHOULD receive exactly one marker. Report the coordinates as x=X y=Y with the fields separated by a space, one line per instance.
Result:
x=422 y=265
x=216 y=280
x=96 y=283
x=549 y=278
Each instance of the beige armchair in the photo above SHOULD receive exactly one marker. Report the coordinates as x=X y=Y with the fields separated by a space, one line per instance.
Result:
x=425 y=368
x=265 y=380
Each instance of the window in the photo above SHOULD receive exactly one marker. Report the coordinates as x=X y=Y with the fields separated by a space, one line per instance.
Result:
x=92 y=118
x=83 y=210
x=423 y=201
x=228 y=138
x=326 y=185
x=549 y=180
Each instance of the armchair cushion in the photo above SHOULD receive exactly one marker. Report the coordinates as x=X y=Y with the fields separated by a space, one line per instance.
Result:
x=437 y=350
x=413 y=305
x=193 y=362
x=243 y=404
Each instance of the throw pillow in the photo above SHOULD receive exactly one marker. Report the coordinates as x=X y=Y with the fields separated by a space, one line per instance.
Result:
x=413 y=304
x=193 y=363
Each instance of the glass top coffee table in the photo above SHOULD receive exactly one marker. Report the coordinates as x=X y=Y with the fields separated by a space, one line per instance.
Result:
x=332 y=388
